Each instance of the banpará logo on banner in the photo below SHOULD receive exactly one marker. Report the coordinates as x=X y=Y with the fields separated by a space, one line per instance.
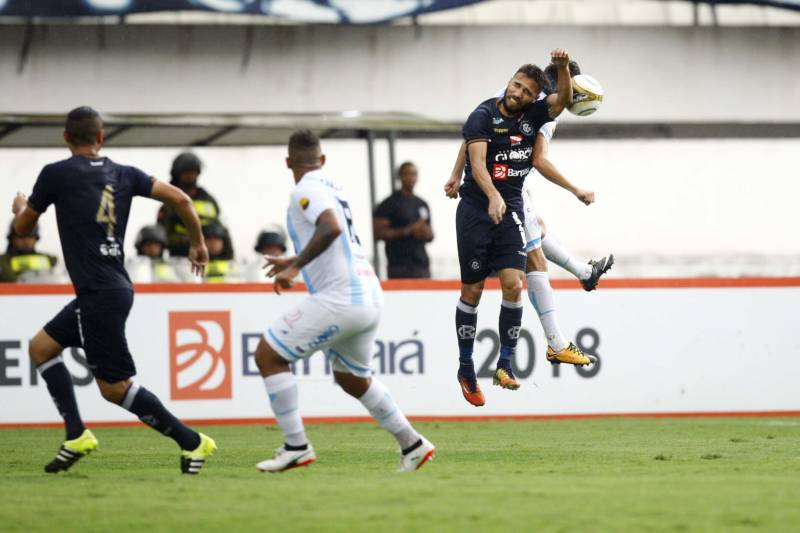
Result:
x=200 y=355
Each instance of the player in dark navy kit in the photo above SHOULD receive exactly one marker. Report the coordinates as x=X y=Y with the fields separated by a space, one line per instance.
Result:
x=500 y=135
x=92 y=197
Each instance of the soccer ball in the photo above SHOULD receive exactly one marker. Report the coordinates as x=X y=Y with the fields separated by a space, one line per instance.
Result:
x=587 y=95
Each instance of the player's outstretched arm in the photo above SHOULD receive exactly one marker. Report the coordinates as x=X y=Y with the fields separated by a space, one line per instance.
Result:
x=327 y=230
x=452 y=184
x=477 y=157
x=546 y=168
x=25 y=217
x=182 y=204
x=558 y=101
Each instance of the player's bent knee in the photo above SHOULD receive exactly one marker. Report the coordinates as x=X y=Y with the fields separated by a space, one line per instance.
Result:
x=355 y=386
x=113 y=392
x=536 y=261
x=268 y=361
x=42 y=347
x=471 y=292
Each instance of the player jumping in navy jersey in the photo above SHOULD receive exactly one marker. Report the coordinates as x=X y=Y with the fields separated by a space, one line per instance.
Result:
x=559 y=350
x=92 y=197
x=500 y=136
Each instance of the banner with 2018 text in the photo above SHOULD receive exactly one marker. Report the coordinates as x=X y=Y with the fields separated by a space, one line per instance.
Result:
x=676 y=349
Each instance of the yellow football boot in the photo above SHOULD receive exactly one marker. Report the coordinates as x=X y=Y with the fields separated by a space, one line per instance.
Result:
x=193 y=460
x=71 y=451
x=571 y=355
x=504 y=377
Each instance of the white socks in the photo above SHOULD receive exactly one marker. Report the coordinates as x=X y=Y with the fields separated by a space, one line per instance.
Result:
x=543 y=300
x=381 y=406
x=555 y=252
x=282 y=391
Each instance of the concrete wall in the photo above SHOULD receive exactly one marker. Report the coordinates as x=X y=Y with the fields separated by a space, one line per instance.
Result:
x=650 y=74
x=658 y=202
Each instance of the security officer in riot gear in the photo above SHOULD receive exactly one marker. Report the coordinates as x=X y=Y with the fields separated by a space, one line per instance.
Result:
x=22 y=262
x=271 y=241
x=221 y=266
x=185 y=171
x=150 y=265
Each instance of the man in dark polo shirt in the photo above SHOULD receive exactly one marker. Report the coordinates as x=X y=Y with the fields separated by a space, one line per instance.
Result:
x=403 y=220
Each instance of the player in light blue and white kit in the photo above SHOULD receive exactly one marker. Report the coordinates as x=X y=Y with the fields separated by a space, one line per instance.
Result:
x=340 y=317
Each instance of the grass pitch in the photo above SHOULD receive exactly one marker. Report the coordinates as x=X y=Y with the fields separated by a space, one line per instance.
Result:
x=720 y=474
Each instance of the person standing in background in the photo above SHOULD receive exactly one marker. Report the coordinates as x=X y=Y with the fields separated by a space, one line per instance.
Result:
x=403 y=221
x=185 y=172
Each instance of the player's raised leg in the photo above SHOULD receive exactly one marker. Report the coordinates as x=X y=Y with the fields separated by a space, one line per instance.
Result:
x=588 y=274
x=510 y=322
x=541 y=295
x=466 y=324
x=45 y=353
x=473 y=236
x=281 y=388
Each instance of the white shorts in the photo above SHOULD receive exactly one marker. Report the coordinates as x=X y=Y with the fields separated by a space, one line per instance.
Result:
x=344 y=332
x=533 y=232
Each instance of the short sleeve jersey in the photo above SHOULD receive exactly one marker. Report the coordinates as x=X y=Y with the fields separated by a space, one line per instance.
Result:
x=403 y=210
x=342 y=271
x=508 y=155
x=92 y=198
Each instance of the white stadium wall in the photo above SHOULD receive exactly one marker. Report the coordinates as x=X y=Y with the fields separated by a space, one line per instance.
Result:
x=692 y=347
x=649 y=73
x=657 y=198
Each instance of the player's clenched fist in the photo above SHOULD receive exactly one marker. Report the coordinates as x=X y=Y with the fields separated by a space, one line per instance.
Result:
x=559 y=57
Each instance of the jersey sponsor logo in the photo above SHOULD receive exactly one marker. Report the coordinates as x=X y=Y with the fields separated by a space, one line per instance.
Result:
x=497 y=121
x=321 y=339
x=304 y=202
x=500 y=172
x=518 y=154
x=515 y=139
x=200 y=355
x=501 y=130
x=514 y=173
x=526 y=127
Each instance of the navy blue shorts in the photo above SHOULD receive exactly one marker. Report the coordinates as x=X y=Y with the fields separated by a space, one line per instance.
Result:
x=484 y=246
x=96 y=322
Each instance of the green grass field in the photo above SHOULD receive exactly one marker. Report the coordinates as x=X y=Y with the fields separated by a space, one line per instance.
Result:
x=720 y=474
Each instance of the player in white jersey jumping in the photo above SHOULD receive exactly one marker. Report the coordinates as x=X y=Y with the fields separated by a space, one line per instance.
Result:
x=340 y=317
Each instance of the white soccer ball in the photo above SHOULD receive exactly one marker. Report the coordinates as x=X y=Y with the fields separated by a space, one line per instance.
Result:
x=587 y=95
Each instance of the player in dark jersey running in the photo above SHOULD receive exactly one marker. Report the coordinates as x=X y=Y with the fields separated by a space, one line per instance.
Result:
x=500 y=135
x=92 y=197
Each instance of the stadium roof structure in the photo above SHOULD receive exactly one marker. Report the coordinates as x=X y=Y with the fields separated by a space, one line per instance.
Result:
x=186 y=130
x=166 y=130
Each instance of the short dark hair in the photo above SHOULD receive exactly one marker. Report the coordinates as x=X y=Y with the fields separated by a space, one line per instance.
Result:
x=535 y=73
x=404 y=166
x=551 y=71
x=82 y=125
x=303 y=147
x=303 y=140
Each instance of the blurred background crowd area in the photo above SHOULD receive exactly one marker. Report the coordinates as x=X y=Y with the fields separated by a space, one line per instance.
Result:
x=693 y=155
